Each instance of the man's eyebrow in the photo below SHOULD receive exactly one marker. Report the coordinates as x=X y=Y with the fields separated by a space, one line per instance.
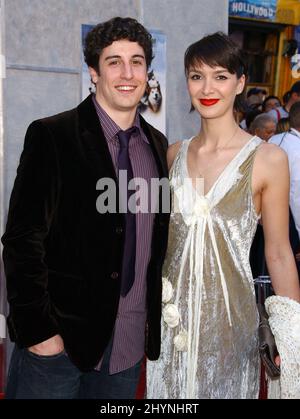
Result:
x=138 y=56
x=110 y=57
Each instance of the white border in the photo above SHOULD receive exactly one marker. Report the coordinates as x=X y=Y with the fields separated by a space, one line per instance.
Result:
x=2 y=206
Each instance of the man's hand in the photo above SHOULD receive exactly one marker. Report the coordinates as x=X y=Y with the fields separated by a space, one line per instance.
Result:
x=52 y=346
x=277 y=360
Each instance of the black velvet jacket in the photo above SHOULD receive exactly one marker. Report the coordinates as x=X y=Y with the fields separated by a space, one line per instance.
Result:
x=60 y=255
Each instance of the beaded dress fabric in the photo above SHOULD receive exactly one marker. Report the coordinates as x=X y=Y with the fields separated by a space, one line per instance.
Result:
x=284 y=319
x=209 y=324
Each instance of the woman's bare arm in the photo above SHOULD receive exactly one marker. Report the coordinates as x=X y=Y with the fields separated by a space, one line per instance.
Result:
x=275 y=214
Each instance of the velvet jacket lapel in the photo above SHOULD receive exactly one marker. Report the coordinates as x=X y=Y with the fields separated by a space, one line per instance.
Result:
x=96 y=146
x=157 y=148
x=93 y=140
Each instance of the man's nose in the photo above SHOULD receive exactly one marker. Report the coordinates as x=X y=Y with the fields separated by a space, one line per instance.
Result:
x=127 y=72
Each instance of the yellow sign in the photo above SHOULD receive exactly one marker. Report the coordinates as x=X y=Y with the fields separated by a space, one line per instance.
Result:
x=288 y=12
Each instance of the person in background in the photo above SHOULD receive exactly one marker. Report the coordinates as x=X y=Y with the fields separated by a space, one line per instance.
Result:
x=84 y=279
x=250 y=116
x=286 y=97
x=283 y=111
x=263 y=126
x=255 y=97
x=289 y=141
x=283 y=125
x=222 y=180
x=240 y=114
x=270 y=102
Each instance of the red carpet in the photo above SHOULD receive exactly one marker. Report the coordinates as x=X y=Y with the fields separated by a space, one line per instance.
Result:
x=2 y=370
x=140 y=394
x=263 y=392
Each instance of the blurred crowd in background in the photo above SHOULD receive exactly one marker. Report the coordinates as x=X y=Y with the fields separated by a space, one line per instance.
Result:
x=276 y=120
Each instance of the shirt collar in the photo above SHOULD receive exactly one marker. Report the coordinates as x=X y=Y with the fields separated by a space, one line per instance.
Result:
x=297 y=133
x=110 y=128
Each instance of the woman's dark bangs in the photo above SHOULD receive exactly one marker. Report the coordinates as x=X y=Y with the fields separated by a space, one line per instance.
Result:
x=212 y=59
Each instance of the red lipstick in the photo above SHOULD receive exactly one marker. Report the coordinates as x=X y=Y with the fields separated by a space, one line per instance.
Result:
x=208 y=102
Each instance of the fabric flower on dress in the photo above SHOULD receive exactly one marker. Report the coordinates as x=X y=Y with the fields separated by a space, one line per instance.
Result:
x=181 y=340
x=171 y=315
x=167 y=290
x=201 y=208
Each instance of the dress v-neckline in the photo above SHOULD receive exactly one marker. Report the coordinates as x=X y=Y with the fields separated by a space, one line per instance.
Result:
x=223 y=170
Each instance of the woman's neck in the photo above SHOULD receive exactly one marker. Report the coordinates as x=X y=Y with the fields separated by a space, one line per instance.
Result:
x=214 y=134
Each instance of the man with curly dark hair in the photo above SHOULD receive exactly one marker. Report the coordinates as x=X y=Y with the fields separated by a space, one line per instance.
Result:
x=84 y=280
x=104 y=34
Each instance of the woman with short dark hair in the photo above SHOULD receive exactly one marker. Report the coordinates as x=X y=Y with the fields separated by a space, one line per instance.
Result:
x=223 y=180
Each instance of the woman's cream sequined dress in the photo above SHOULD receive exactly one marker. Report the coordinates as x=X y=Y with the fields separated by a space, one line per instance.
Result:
x=212 y=310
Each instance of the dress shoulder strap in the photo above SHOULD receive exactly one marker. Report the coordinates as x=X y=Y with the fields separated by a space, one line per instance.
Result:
x=181 y=154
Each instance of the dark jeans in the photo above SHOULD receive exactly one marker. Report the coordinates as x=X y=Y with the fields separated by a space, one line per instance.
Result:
x=55 y=377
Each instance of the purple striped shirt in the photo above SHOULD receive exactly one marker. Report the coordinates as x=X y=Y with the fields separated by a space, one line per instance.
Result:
x=129 y=333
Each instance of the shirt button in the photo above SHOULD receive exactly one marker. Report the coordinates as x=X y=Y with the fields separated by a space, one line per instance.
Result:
x=119 y=230
x=114 y=275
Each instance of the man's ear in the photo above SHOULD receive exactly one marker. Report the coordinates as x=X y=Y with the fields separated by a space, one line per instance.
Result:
x=94 y=75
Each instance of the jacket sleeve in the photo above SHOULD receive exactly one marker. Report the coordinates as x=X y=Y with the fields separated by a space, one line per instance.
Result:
x=33 y=202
